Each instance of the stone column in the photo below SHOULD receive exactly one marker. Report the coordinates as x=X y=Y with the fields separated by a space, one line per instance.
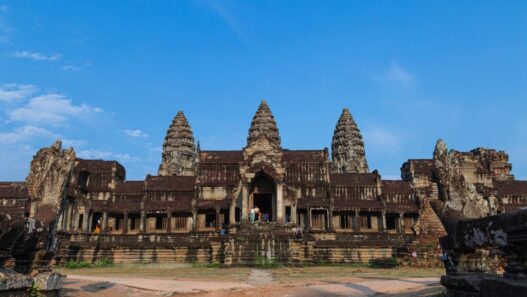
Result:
x=383 y=226
x=86 y=221
x=90 y=221
x=232 y=212
x=279 y=203
x=169 y=220
x=308 y=219
x=245 y=203
x=104 y=226
x=294 y=215
x=356 y=221
x=217 y=209
x=194 y=219
x=125 y=222
x=401 y=223
x=142 y=225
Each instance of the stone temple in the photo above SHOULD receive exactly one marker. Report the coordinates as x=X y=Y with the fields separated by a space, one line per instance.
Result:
x=347 y=212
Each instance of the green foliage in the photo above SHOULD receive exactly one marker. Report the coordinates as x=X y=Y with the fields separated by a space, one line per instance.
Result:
x=263 y=262
x=33 y=290
x=214 y=264
x=77 y=264
x=101 y=263
x=390 y=262
x=104 y=262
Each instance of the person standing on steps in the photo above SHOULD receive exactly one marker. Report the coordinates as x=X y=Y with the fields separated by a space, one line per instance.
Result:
x=257 y=213
x=251 y=216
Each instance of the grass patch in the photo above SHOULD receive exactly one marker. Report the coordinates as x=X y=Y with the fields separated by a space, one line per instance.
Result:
x=390 y=262
x=77 y=264
x=264 y=262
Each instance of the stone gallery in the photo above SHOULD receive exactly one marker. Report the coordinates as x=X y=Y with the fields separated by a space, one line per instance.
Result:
x=263 y=201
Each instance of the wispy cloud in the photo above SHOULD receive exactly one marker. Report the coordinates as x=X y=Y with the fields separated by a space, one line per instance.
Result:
x=5 y=29
x=135 y=133
x=50 y=109
x=70 y=68
x=36 y=56
x=396 y=74
x=25 y=133
x=226 y=15
x=381 y=139
x=106 y=155
x=13 y=92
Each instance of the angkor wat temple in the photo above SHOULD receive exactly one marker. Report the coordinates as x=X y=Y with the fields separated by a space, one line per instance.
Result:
x=348 y=213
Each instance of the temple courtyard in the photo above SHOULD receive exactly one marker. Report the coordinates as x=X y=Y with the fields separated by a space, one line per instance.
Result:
x=191 y=280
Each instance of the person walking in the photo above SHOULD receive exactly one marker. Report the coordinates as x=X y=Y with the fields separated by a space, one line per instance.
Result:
x=251 y=215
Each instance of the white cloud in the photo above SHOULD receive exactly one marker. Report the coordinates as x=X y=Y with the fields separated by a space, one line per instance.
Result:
x=36 y=56
x=25 y=133
x=70 y=68
x=52 y=109
x=12 y=92
x=99 y=154
x=135 y=133
x=397 y=74
x=381 y=140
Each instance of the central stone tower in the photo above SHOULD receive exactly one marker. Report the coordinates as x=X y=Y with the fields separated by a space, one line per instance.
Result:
x=179 y=151
x=347 y=147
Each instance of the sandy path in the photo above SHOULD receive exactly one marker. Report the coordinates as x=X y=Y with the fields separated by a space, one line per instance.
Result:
x=259 y=283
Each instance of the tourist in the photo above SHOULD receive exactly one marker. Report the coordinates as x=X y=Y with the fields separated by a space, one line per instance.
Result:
x=299 y=234
x=222 y=230
x=414 y=256
x=252 y=214
x=265 y=217
x=257 y=213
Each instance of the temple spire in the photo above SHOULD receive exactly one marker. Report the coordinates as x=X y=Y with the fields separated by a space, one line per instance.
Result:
x=263 y=125
x=178 y=156
x=347 y=147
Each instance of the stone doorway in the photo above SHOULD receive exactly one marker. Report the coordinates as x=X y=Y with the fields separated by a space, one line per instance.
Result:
x=265 y=204
x=263 y=195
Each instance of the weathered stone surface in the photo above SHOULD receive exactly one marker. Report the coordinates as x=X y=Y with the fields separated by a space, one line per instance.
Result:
x=10 y=280
x=179 y=152
x=347 y=147
x=49 y=281
x=47 y=181
x=460 y=197
x=263 y=151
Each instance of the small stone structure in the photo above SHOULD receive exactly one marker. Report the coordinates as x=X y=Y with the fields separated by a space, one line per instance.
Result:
x=487 y=257
x=346 y=213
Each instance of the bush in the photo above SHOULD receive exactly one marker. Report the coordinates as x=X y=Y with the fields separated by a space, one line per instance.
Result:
x=77 y=264
x=104 y=262
x=263 y=262
x=390 y=262
x=214 y=264
x=33 y=290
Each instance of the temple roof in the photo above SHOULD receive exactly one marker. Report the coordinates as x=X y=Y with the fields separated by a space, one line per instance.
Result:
x=13 y=190
x=353 y=179
x=511 y=188
x=170 y=183
x=178 y=148
x=347 y=146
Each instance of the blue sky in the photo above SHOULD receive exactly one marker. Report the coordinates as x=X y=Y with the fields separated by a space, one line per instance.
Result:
x=107 y=77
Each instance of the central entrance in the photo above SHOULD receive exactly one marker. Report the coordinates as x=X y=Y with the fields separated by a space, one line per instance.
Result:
x=263 y=195
x=265 y=204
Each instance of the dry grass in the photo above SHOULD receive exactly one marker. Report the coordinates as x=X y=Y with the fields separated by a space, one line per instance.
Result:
x=185 y=271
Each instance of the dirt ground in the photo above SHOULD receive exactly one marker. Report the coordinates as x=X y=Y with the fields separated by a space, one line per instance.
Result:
x=182 y=280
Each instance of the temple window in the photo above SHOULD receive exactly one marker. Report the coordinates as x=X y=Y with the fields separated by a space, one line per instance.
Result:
x=346 y=221
x=391 y=222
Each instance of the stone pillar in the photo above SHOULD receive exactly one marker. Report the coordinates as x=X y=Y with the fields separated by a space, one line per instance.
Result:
x=104 y=226
x=308 y=219
x=169 y=220
x=217 y=209
x=232 y=213
x=383 y=225
x=142 y=225
x=279 y=203
x=90 y=221
x=125 y=223
x=245 y=203
x=356 y=221
x=401 y=223
x=294 y=215
x=86 y=221
x=194 y=219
